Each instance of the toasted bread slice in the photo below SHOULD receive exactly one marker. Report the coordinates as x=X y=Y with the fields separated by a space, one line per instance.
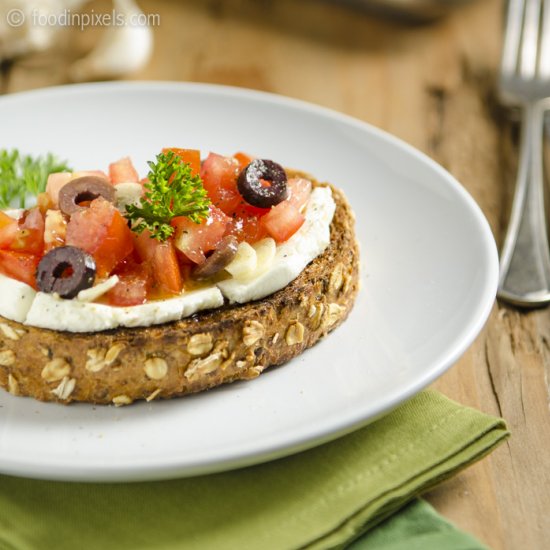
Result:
x=234 y=342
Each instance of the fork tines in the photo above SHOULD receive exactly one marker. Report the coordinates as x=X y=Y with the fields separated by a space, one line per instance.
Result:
x=526 y=53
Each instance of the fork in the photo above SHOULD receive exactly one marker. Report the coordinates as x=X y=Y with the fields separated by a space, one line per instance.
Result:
x=525 y=82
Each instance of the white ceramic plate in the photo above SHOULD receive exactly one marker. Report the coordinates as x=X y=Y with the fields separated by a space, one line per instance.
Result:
x=429 y=276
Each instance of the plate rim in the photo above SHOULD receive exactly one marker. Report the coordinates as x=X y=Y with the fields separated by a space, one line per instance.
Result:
x=330 y=430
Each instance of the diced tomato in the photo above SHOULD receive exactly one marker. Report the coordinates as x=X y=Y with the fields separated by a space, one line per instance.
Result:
x=123 y=171
x=246 y=226
x=129 y=291
x=186 y=270
x=19 y=265
x=247 y=209
x=145 y=246
x=163 y=261
x=194 y=239
x=299 y=190
x=219 y=175
x=183 y=260
x=8 y=230
x=283 y=221
x=243 y=159
x=135 y=282
x=55 y=183
x=30 y=233
x=101 y=231
x=166 y=269
x=191 y=156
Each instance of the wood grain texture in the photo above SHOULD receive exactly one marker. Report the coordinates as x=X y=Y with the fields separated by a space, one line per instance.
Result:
x=433 y=86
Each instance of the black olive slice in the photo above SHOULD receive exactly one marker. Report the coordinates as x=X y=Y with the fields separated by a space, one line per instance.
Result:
x=222 y=256
x=253 y=190
x=86 y=188
x=66 y=270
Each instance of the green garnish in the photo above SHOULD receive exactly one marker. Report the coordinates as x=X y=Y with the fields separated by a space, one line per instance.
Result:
x=22 y=176
x=172 y=191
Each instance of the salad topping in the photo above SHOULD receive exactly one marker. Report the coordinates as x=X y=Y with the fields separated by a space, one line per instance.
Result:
x=184 y=223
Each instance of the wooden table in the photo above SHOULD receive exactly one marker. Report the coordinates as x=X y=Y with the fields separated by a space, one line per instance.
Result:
x=433 y=86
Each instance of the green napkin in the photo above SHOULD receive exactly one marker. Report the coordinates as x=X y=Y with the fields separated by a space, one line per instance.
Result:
x=417 y=526
x=322 y=498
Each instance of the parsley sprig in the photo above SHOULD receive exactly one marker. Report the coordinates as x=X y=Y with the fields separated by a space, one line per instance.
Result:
x=24 y=176
x=172 y=191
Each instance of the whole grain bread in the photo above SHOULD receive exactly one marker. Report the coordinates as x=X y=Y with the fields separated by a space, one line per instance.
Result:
x=234 y=342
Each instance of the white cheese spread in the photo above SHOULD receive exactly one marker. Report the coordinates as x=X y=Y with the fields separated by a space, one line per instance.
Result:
x=19 y=302
x=15 y=299
x=50 y=311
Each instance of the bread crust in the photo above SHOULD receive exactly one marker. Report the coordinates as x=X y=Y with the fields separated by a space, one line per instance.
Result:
x=234 y=342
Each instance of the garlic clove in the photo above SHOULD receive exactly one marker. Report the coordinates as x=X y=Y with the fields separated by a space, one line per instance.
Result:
x=121 y=49
x=244 y=263
x=22 y=30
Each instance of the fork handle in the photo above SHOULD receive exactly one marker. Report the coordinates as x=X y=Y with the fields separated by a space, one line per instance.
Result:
x=525 y=258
